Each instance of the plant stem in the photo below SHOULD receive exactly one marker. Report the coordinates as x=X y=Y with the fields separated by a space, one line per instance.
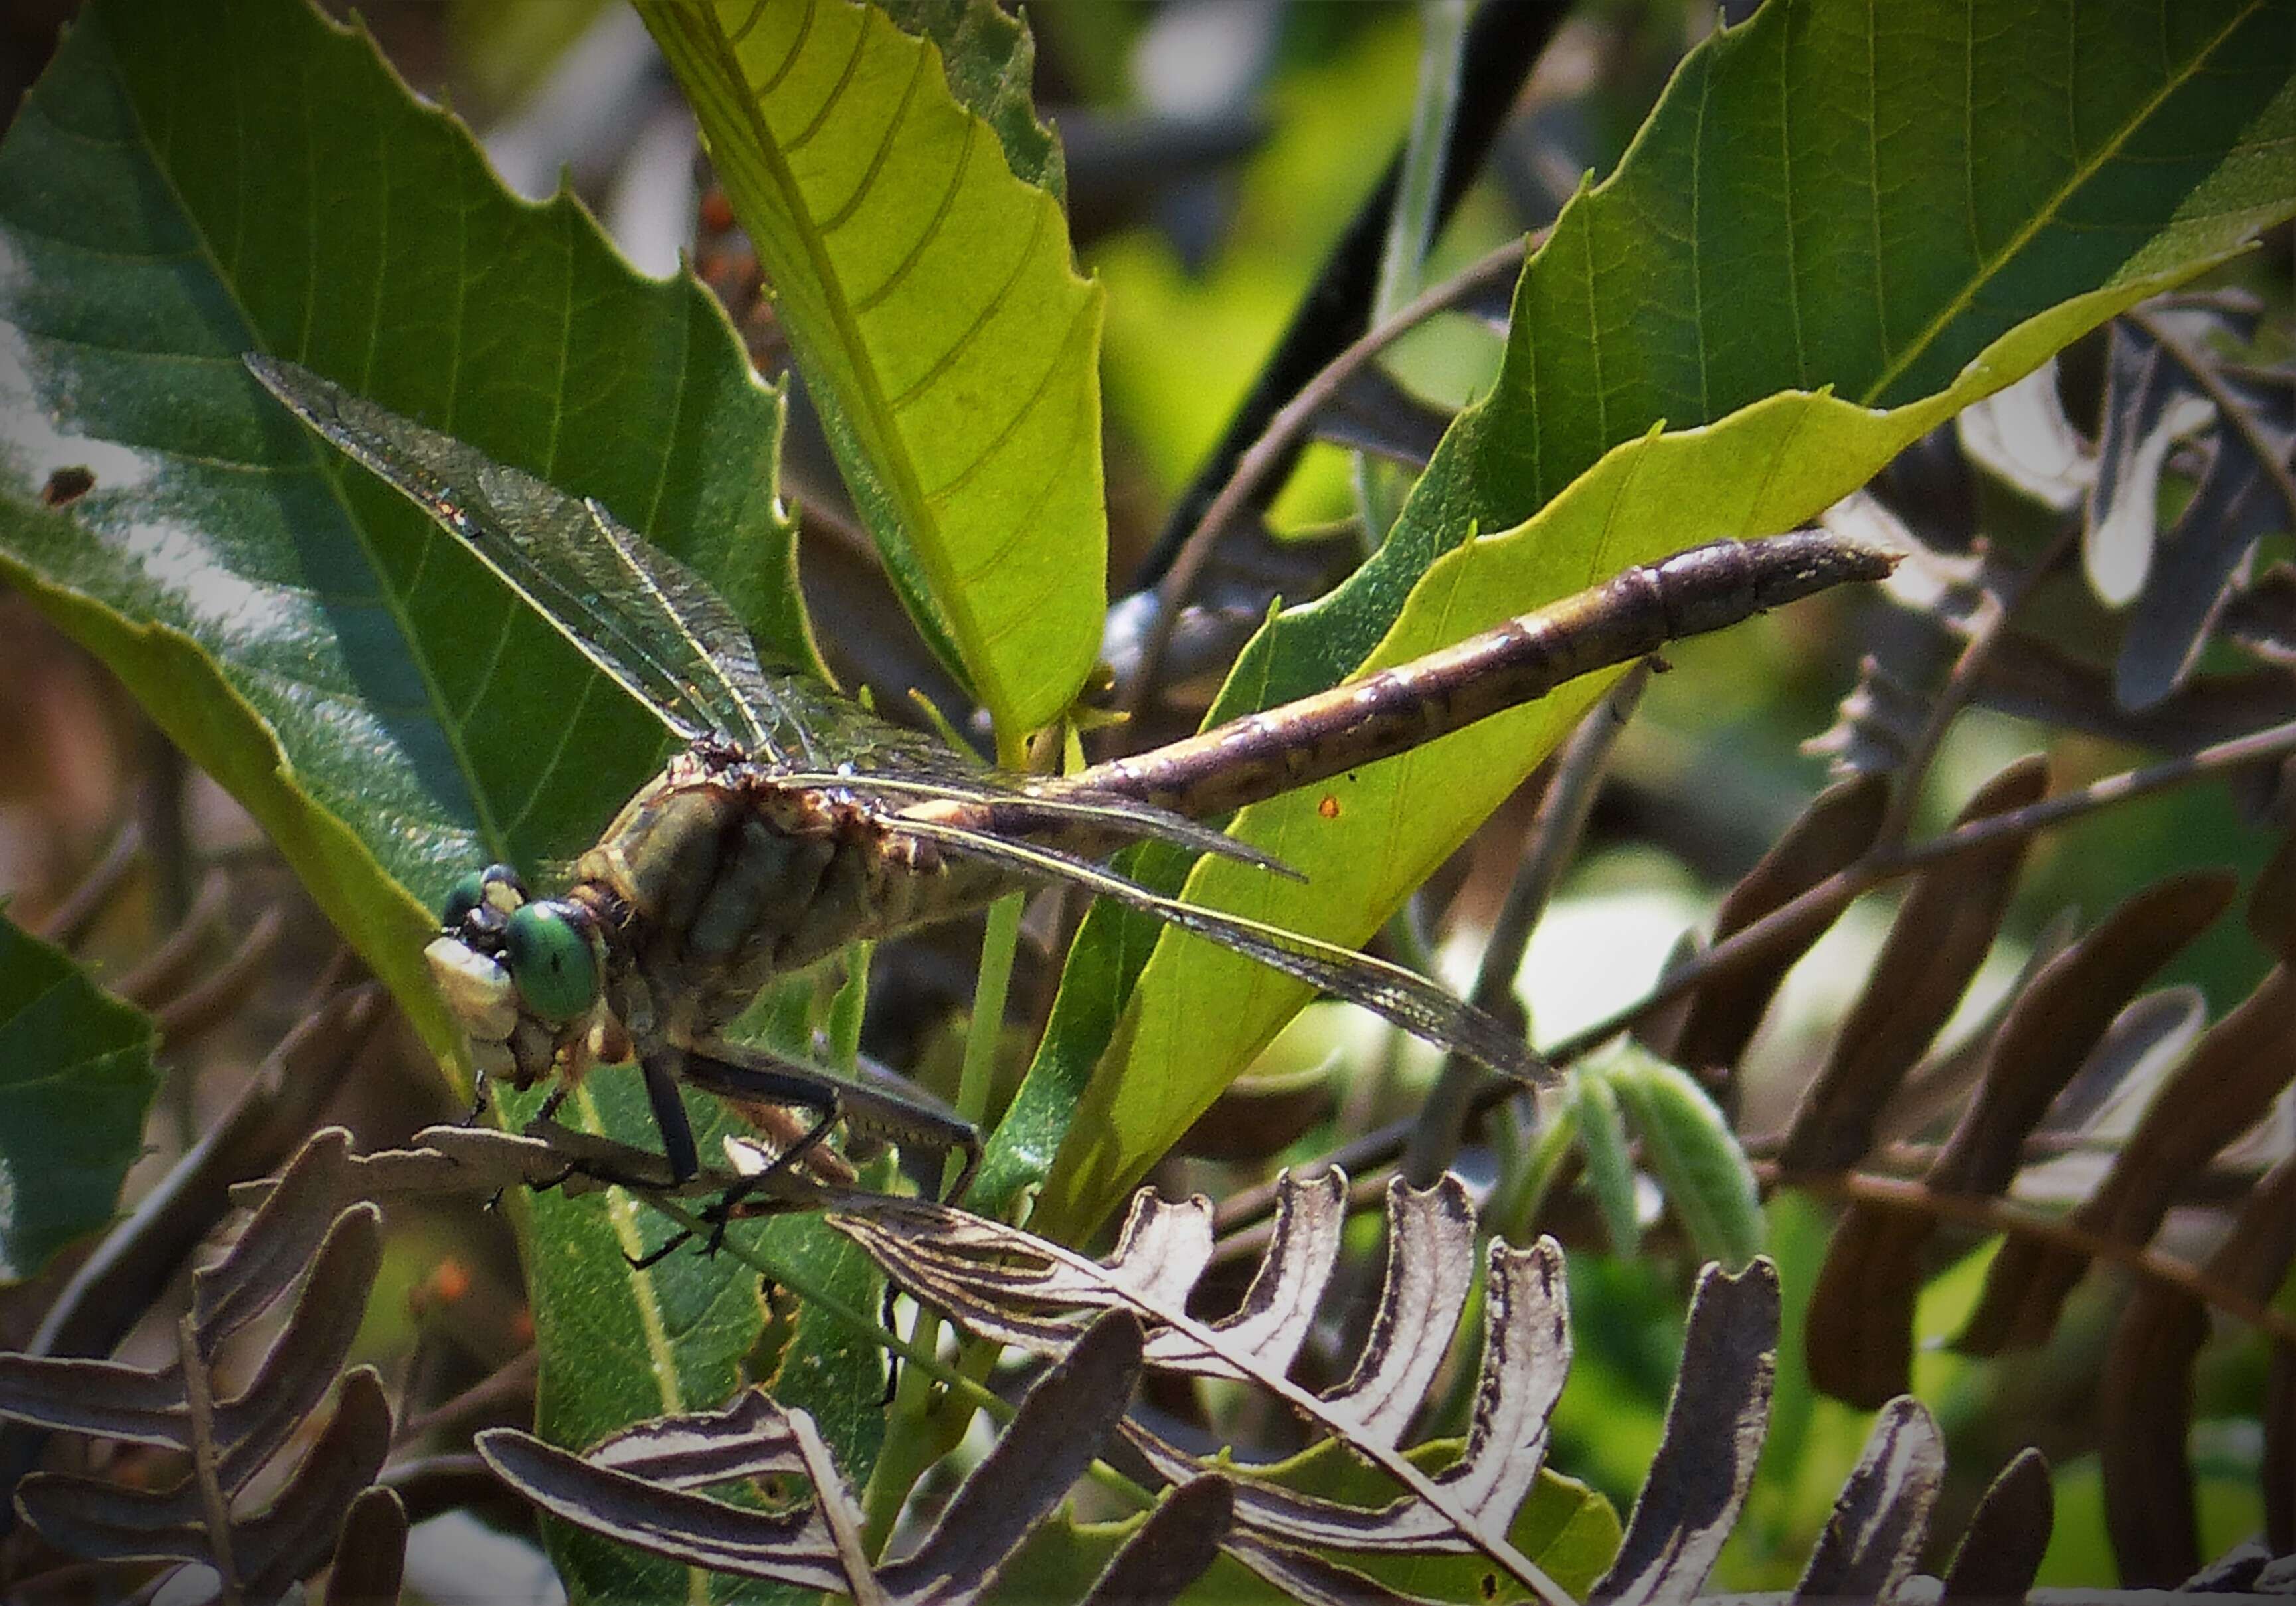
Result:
x=1379 y=487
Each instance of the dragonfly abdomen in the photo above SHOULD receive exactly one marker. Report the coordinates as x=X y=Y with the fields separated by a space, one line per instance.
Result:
x=1386 y=713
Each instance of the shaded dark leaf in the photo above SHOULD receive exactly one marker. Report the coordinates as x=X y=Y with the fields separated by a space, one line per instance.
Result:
x=232 y=1439
x=370 y=1551
x=1859 y=1330
x=1859 y=1333
x=2224 y=1088
x=1875 y=1534
x=2000 y=1553
x=640 y=1486
x=290 y=1537
x=1941 y=936
x=2144 y=1040
x=1714 y=1429
x=2034 y=680
x=2050 y=1030
x=1375 y=413
x=2272 y=902
x=2146 y=1386
x=1837 y=827
x=76 y=1081
x=1077 y=1406
x=1170 y=1551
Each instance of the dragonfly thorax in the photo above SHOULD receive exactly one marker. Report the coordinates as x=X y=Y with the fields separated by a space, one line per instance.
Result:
x=718 y=876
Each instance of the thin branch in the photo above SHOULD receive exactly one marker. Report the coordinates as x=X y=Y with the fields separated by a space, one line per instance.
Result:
x=1750 y=942
x=1747 y=945
x=1991 y=1214
x=1962 y=684
x=1285 y=429
x=1554 y=835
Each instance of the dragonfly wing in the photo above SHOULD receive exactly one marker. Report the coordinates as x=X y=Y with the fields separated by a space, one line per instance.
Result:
x=637 y=613
x=1412 y=1002
x=988 y=806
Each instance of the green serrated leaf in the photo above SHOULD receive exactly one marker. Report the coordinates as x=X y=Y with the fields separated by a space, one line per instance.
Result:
x=1688 y=1144
x=76 y=1084
x=303 y=634
x=917 y=255
x=185 y=185
x=1733 y=266
x=1609 y=1169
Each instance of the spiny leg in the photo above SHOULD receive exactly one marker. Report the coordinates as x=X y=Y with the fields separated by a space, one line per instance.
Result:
x=904 y=1118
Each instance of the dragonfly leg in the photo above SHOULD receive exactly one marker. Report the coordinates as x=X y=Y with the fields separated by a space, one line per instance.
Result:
x=902 y=1118
x=661 y=1071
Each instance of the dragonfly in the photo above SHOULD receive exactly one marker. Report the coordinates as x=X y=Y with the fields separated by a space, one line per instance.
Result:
x=792 y=822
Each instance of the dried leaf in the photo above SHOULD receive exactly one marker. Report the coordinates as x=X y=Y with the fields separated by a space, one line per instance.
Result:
x=1375 y=413
x=2000 y=1554
x=2145 y=1390
x=641 y=1486
x=1714 y=1429
x=370 y=1552
x=301 y=1236
x=2221 y=1090
x=1008 y=1285
x=2272 y=902
x=1859 y=1333
x=1941 y=936
x=288 y=1540
x=1171 y=1550
x=2057 y=1020
x=2148 y=412
x=1837 y=827
x=2164 y=365
x=2144 y=1042
x=1526 y=1356
x=1874 y=1535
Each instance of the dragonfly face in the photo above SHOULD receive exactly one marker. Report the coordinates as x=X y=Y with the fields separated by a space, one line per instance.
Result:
x=525 y=978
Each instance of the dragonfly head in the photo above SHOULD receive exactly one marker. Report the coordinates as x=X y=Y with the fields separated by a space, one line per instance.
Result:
x=524 y=977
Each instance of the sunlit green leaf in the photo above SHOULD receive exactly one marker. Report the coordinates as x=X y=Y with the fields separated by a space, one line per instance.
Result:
x=926 y=289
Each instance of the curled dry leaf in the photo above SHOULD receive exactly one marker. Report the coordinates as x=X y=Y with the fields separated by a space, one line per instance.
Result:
x=301 y=1236
x=1859 y=1330
x=1713 y=1436
x=2000 y=1553
x=1833 y=832
x=2146 y=1396
x=644 y=1486
x=1008 y=1285
x=1875 y=1534
x=1941 y=936
x=2234 y=1072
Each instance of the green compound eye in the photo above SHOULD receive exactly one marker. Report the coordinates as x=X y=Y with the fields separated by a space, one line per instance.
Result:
x=551 y=960
x=462 y=900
